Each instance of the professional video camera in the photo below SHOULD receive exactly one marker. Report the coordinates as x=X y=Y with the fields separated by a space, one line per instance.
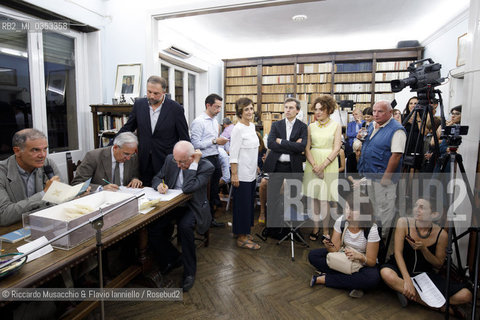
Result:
x=420 y=77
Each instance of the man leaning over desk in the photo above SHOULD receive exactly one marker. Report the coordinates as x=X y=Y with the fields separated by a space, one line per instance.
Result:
x=23 y=180
x=111 y=167
x=186 y=170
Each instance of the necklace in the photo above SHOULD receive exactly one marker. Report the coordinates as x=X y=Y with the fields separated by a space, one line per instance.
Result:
x=323 y=124
x=423 y=236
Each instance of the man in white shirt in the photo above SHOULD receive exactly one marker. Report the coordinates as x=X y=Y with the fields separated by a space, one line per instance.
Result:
x=204 y=133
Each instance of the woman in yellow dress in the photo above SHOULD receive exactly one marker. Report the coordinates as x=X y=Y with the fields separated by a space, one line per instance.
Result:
x=320 y=180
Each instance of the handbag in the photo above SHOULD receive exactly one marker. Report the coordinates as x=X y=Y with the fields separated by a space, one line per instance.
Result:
x=339 y=261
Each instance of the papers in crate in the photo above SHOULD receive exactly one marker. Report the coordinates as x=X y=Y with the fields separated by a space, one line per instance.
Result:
x=61 y=218
x=60 y=192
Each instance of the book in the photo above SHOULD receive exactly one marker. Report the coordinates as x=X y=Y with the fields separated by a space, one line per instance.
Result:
x=60 y=192
x=16 y=235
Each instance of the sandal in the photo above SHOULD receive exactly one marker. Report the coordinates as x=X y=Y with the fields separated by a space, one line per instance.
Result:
x=314 y=236
x=261 y=220
x=318 y=274
x=248 y=244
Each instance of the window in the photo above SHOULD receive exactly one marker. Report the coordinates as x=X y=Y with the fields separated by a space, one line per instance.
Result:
x=60 y=94
x=15 y=98
x=39 y=86
x=182 y=85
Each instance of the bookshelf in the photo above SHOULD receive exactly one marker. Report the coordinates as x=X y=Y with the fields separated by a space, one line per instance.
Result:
x=361 y=76
x=107 y=120
x=240 y=82
x=278 y=82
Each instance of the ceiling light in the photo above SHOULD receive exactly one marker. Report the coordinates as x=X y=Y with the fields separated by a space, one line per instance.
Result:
x=299 y=17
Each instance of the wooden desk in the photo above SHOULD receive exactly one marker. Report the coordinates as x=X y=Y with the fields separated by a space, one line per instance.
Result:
x=45 y=268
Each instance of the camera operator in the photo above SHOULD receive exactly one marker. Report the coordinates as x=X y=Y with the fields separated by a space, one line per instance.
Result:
x=456 y=117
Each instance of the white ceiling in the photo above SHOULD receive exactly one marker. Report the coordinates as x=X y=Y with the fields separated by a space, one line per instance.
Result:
x=332 y=25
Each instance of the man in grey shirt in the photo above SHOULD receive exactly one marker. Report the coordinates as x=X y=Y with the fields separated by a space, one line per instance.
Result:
x=23 y=180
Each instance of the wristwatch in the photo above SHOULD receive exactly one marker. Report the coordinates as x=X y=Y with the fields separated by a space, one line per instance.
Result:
x=214 y=140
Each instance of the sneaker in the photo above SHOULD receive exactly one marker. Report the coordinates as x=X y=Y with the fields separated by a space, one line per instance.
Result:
x=402 y=299
x=356 y=293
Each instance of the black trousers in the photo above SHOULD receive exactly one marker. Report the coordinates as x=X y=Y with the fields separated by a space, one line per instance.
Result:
x=275 y=192
x=160 y=232
x=215 y=178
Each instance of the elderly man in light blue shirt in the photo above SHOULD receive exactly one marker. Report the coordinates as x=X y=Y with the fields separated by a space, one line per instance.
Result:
x=204 y=134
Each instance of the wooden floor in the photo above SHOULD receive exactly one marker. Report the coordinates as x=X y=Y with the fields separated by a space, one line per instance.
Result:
x=234 y=283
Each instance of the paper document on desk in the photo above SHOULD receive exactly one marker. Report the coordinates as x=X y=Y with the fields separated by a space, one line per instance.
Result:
x=35 y=244
x=427 y=291
x=152 y=194
x=151 y=197
x=59 y=192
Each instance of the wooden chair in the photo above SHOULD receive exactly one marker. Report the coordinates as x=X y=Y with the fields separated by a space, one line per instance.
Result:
x=71 y=167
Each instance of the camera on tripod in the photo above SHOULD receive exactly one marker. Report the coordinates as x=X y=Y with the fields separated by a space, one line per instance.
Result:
x=420 y=77
x=453 y=134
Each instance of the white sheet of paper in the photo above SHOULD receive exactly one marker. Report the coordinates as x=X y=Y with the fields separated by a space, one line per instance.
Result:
x=152 y=194
x=427 y=291
x=35 y=244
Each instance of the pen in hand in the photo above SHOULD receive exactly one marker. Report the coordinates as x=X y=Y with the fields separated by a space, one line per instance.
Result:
x=108 y=182
x=415 y=280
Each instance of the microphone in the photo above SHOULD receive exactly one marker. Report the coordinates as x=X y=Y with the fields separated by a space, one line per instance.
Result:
x=48 y=171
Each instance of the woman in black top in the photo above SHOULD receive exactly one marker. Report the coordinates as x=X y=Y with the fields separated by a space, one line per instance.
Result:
x=419 y=246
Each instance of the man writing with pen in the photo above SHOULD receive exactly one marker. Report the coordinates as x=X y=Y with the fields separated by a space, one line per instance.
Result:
x=111 y=167
x=185 y=169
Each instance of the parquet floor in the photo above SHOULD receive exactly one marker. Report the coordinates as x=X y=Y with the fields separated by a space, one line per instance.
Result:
x=233 y=283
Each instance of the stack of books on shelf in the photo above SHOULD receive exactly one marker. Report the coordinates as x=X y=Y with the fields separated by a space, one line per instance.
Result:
x=242 y=72
x=393 y=65
x=389 y=76
x=325 y=67
x=278 y=70
x=111 y=123
x=314 y=78
x=277 y=79
x=244 y=81
x=279 y=88
x=353 y=87
x=353 y=77
x=354 y=67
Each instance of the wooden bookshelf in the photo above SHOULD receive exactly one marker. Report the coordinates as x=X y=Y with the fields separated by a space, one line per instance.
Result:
x=107 y=120
x=361 y=76
x=240 y=82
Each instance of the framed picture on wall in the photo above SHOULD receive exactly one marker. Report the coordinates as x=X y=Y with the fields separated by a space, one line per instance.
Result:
x=461 y=49
x=56 y=83
x=128 y=82
x=8 y=76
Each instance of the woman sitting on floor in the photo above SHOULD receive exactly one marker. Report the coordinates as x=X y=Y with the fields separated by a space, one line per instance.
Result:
x=361 y=240
x=419 y=246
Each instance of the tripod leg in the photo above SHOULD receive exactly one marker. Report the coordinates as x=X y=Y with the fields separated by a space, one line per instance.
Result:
x=475 y=276
x=291 y=243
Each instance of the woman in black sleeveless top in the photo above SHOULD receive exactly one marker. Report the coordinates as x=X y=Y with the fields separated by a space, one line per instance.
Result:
x=419 y=246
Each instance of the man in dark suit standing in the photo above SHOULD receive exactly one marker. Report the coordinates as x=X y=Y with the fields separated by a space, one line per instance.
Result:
x=287 y=140
x=111 y=167
x=186 y=170
x=160 y=123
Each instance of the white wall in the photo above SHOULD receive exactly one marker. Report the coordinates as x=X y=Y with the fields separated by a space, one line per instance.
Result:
x=442 y=48
x=203 y=60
